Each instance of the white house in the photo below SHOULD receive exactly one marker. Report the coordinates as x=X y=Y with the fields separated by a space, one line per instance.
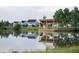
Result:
x=33 y=22
x=29 y=22
x=23 y=23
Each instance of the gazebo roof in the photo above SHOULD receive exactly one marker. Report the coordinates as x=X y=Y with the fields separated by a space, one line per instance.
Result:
x=47 y=21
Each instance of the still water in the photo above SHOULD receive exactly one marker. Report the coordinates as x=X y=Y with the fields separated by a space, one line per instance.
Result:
x=33 y=41
x=24 y=41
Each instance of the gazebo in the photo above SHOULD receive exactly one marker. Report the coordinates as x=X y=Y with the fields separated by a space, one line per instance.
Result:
x=46 y=25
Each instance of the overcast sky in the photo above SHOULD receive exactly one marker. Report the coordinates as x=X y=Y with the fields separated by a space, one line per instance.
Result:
x=18 y=13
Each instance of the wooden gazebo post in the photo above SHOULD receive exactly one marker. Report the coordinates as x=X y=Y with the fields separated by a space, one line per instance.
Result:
x=46 y=29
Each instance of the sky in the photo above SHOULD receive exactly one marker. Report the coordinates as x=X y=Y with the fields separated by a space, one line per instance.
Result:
x=18 y=13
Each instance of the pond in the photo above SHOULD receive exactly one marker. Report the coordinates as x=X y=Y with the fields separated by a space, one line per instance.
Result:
x=35 y=41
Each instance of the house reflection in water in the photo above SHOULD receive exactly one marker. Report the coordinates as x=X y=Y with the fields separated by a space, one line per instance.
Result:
x=46 y=38
x=29 y=35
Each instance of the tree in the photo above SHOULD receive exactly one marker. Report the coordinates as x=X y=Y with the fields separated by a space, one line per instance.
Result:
x=66 y=17
x=75 y=9
x=76 y=13
x=1 y=27
x=17 y=27
x=59 y=16
x=75 y=17
x=62 y=16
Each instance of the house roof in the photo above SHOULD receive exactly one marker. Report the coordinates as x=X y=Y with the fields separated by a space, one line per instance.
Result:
x=23 y=21
x=15 y=21
x=31 y=20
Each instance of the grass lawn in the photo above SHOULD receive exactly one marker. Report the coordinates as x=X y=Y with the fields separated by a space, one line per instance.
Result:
x=74 y=49
x=31 y=29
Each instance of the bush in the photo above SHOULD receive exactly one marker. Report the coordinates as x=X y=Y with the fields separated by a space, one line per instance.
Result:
x=17 y=27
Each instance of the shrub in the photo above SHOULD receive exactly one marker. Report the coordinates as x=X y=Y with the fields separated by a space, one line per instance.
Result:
x=17 y=27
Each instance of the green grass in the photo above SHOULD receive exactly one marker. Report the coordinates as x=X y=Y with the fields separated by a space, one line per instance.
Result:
x=74 y=49
x=32 y=29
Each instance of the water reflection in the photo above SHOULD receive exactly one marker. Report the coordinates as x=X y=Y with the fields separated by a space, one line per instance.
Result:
x=16 y=34
x=5 y=34
x=29 y=35
x=67 y=39
x=36 y=41
x=21 y=41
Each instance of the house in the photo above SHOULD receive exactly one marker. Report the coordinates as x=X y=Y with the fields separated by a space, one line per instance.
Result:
x=29 y=22
x=33 y=22
x=24 y=23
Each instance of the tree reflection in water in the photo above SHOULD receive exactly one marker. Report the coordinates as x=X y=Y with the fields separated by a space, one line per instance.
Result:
x=67 y=39
x=5 y=34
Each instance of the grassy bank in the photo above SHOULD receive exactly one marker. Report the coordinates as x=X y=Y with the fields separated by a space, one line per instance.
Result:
x=26 y=29
x=68 y=30
x=74 y=49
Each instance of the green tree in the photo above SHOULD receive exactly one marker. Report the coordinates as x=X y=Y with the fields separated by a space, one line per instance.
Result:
x=17 y=27
x=1 y=27
x=66 y=15
x=62 y=16
x=59 y=16
x=75 y=17
x=76 y=14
